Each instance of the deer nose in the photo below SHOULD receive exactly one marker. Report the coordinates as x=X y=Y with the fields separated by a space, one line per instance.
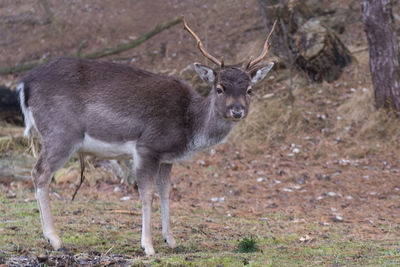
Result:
x=237 y=113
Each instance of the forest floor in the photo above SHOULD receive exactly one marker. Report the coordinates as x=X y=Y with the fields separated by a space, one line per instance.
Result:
x=313 y=182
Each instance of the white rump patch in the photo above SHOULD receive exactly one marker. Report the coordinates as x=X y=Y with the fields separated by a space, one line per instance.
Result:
x=26 y=111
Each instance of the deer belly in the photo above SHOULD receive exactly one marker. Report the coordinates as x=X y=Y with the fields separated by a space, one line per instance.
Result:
x=96 y=147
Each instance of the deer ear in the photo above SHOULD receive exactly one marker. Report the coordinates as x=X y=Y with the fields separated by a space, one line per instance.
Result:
x=259 y=74
x=206 y=74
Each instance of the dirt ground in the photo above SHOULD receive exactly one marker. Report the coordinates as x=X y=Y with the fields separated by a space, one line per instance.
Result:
x=328 y=162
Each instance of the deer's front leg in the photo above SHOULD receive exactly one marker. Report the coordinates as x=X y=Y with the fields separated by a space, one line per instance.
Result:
x=146 y=195
x=163 y=186
x=146 y=171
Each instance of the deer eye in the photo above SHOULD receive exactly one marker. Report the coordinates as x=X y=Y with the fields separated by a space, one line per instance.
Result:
x=220 y=89
x=250 y=91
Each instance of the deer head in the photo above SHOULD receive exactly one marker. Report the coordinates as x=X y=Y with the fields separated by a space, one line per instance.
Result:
x=231 y=87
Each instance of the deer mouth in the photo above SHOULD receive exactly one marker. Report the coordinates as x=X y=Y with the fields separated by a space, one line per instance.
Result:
x=234 y=119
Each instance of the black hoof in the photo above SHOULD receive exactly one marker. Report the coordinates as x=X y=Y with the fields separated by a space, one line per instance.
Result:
x=64 y=250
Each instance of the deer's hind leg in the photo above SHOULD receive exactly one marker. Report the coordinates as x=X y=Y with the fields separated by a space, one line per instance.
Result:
x=51 y=158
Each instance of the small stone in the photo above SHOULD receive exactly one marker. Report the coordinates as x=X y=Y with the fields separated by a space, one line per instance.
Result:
x=11 y=194
x=42 y=258
x=212 y=152
x=267 y=96
x=218 y=199
x=305 y=238
x=201 y=162
x=337 y=218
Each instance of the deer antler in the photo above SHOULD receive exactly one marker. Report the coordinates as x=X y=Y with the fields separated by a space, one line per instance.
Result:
x=252 y=62
x=201 y=46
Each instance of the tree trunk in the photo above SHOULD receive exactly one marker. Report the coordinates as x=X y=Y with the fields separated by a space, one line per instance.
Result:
x=319 y=52
x=301 y=40
x=383 y=51
x=290 y=18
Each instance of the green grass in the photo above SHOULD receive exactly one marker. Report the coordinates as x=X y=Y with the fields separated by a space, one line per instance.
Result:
x=87 y=226
x=247 y=245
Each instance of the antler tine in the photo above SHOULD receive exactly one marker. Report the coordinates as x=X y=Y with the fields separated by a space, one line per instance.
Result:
x=252 y=62
x=201 y=46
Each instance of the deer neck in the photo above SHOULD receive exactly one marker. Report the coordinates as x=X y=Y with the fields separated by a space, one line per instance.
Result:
x=210 y=128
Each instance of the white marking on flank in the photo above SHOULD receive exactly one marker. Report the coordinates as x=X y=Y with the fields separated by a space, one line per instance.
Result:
x=104 y=149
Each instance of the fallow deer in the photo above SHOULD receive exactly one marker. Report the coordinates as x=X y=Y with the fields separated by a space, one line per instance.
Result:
x=115 y=111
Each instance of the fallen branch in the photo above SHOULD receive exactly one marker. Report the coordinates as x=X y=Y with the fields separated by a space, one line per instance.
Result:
x=50 y=15
x=127 y=212
x=99 y=54
x=82 y=163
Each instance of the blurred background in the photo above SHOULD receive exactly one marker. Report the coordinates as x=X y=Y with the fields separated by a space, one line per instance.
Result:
x=314 y=166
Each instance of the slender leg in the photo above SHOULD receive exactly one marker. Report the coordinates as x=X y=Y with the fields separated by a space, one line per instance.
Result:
x=146 y=172
x=163 y=186
x=48 y=162
x=146 y=194
x=42 y=182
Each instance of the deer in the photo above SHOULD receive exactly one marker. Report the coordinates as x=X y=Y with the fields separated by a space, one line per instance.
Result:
x=116 y=111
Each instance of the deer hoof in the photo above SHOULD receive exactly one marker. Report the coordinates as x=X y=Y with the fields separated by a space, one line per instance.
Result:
x=171 y=242
x=55 y=241
x=149 y=251
x=62 y=249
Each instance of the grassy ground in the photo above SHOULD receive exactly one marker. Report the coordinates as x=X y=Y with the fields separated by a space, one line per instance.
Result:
x=96 y=230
